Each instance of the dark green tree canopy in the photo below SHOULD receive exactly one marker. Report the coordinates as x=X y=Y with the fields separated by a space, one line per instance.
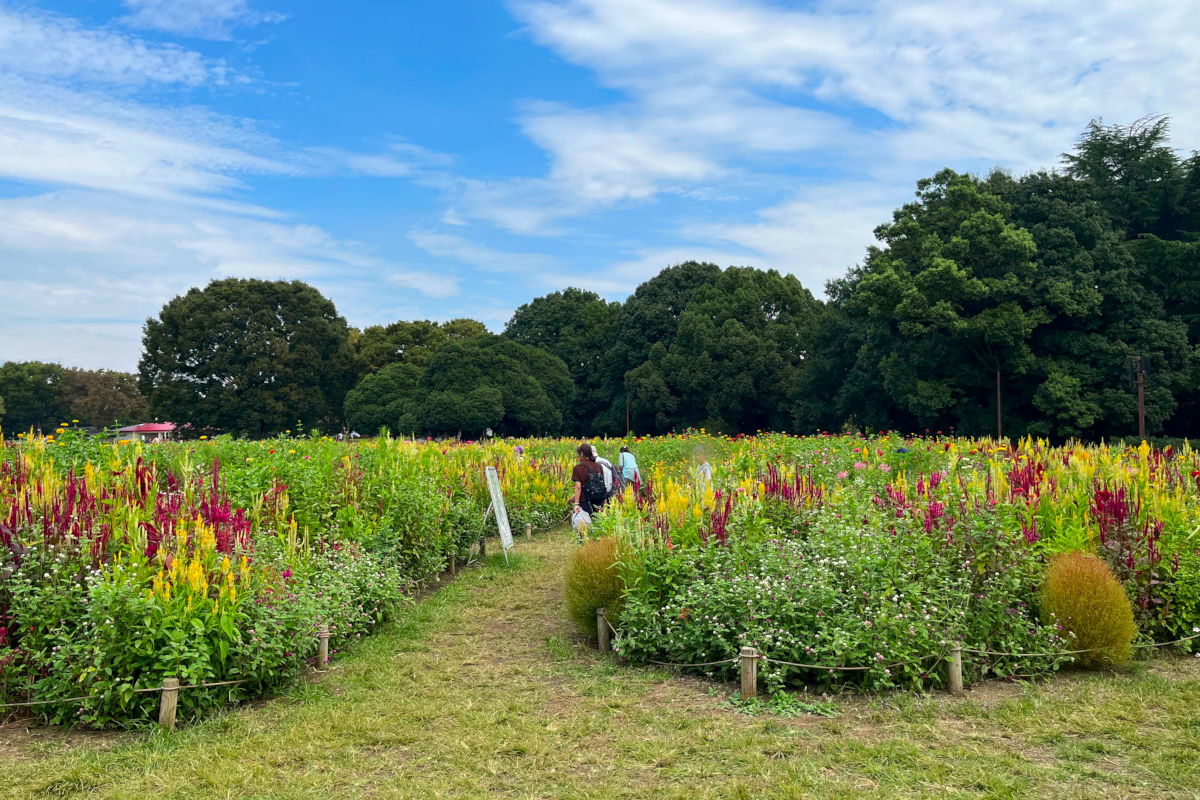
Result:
x=248 y=356
x=32 y=392
x=578 y=327
x=103 y=397
x=407 y=342
x=466 y=387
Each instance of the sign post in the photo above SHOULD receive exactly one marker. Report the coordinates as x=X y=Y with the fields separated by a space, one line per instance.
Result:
x=497 y=507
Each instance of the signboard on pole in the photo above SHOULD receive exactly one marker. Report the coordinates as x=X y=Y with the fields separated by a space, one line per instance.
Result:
x=506 y=539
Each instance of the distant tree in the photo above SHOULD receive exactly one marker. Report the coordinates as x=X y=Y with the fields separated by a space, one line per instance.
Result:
x=648 y=317
x=1099 y=311
x=389 y=397
x=466 y=378
x=946 y=302
x=32 y=396
x=578 y=327
x=407 y=342
x=466 y=386
x=739 y=348
x=102 y=397
x=248 y=356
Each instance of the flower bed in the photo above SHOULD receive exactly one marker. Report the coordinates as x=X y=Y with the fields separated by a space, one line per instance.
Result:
x=217 y=561
x=876 y=555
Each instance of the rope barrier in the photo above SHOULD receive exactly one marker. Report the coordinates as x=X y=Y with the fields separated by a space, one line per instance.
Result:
x=848 y=669
x=144 y=690
x=705 y=664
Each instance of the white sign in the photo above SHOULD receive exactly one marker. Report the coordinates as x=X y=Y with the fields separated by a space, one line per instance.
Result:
x=506 y=540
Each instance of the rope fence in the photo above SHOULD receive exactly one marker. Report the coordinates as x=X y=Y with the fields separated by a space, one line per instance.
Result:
x=171 y=687
x=749 y=658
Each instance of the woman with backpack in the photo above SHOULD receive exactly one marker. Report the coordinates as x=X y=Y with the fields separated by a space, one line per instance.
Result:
x=588 y=477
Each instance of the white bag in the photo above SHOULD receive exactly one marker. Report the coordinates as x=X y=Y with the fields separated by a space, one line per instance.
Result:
x=580 y=520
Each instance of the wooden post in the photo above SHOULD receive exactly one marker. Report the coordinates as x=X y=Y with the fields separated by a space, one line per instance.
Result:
x=322 y=647
x=453 y=564
x=528 y=531
x=749 y=673
x=602 y=629
x=168 y=702
x=956 y=684
x=482 y=547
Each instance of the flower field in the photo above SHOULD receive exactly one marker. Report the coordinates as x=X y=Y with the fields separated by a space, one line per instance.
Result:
x=874 y=555
x=217 y=561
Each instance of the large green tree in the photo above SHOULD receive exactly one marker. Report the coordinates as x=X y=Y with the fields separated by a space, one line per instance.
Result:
x=407 y=342
x=32 y=392
x=466 y=387
x=947 y=303
x=577 y=326
x=102 y=397
x=739 y=348
x=251 y=357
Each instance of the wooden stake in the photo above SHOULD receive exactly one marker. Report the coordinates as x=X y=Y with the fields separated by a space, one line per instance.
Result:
x=602 y=629
x=168 y=702
x=322 y=647
x=956 y=683
x=749 y=673
x=453 y=564
x=482 y=548
x=528 y=531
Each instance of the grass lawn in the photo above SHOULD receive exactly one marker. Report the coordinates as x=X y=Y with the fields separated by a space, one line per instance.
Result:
x=483 y=690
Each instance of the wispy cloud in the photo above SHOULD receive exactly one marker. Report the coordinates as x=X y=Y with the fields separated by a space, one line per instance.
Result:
x=457 y=248
x=205 y=19
x=50 y=46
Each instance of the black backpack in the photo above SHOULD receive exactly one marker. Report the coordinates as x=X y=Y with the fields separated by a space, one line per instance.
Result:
x=594 y=489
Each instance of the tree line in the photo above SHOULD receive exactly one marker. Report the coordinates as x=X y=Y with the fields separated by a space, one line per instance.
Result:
x=1030 y=294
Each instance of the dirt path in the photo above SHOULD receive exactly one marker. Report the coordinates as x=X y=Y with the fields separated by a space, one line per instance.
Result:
x=484 y=690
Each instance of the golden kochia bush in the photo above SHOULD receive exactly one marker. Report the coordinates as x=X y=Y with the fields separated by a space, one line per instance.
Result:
x=593 y=580
x=1081 y=592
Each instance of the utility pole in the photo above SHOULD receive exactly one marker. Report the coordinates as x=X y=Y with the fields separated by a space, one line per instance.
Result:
x=999 y=430
x=1141 y=390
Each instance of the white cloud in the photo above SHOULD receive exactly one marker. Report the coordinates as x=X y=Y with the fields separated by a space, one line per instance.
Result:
x=91 y=257
x=205 y=19
x=456 y=248
x=427 y=283
x=49 y=46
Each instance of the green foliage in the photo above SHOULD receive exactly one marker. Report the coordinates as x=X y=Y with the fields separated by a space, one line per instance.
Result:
x=249 y=357
x=403 y=342
x=32 y=392
x=466 y=387
x=1081 y=594
x=592 y=581
x=837 y=594
x=103 y=398
x=387 y=399
x=578 y=327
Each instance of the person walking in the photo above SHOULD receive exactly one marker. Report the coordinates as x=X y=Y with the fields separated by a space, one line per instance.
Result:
x=591 y=490
x=628 y=466
x=704 y=471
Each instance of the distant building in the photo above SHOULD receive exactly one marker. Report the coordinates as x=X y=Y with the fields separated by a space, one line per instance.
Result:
x=148 y=432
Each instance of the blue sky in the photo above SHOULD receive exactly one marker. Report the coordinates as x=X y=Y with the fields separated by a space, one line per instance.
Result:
x=436 y=160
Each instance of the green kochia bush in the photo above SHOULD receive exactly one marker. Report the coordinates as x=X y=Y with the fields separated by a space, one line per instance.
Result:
x=841 y=596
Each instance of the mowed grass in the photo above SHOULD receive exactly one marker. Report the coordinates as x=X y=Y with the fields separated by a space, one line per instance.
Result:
x=483 y=690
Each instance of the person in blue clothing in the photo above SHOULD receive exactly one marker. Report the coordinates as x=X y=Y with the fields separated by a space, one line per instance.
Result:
x=628 y=465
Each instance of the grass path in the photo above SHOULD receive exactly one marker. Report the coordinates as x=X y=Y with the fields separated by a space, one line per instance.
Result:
x=484 y=691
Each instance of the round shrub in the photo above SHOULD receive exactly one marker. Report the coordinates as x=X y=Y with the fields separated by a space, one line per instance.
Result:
x=593 y=580
x=1084 y=596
